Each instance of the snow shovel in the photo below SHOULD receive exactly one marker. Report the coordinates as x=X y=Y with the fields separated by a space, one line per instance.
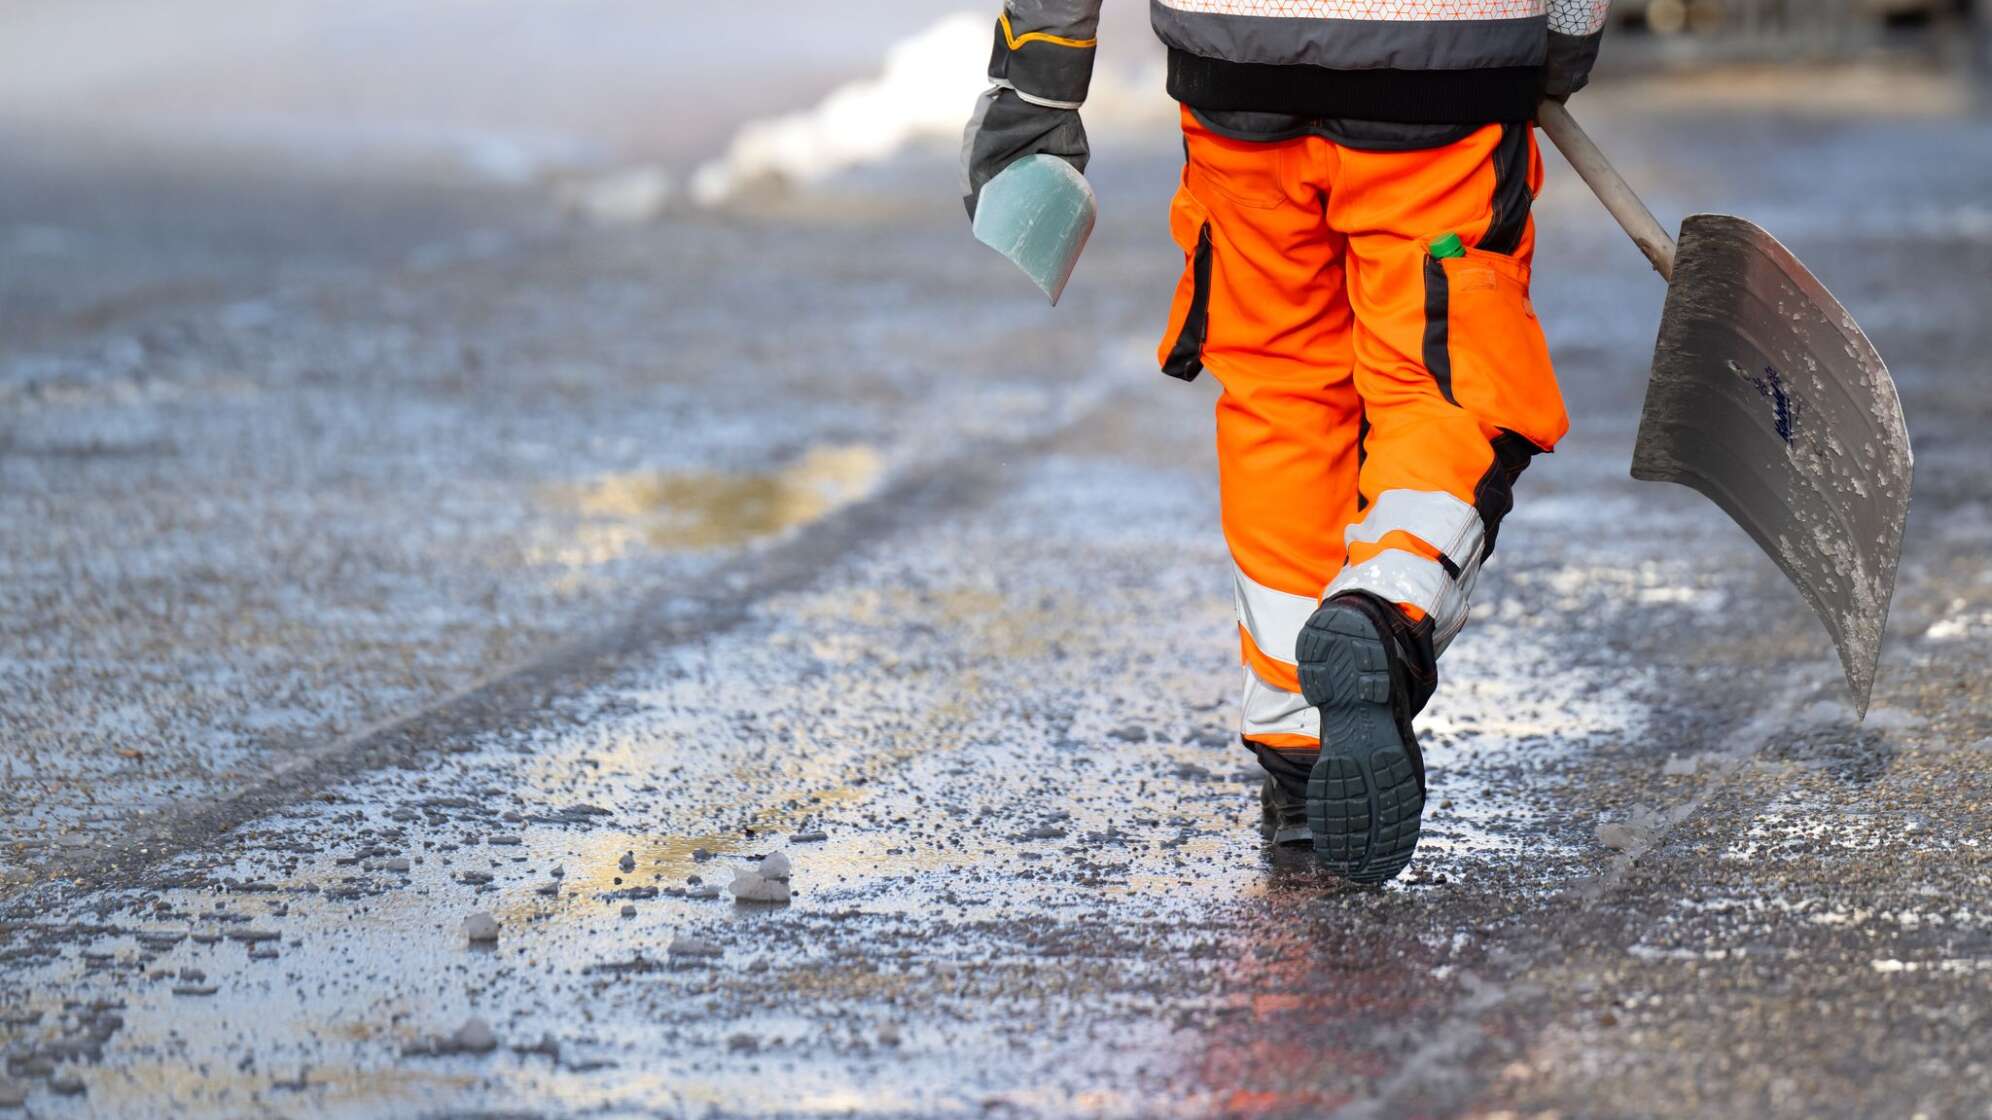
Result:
x=1767 y=398
x=1038 y=212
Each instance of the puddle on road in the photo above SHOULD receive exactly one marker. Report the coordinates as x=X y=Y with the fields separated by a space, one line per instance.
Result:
x=709 y=510
x=816 y=781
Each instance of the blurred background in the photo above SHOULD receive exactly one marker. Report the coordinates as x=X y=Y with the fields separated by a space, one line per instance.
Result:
x=363 y=359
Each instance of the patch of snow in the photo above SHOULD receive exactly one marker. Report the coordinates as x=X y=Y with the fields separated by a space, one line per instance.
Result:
x=632 y=196
x=1958 y=627
x=924 y=92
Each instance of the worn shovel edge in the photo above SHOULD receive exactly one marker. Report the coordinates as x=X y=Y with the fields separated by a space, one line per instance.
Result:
x=1860 y=673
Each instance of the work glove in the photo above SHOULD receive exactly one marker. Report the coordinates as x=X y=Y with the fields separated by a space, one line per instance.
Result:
x=1004 y=129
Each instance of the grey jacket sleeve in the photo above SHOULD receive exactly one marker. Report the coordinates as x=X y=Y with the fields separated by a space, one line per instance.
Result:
x=1039 y=72
x=1044 y=50
x=1576 y=28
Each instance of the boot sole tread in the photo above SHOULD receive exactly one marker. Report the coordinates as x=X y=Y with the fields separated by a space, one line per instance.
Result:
x=1363 y=801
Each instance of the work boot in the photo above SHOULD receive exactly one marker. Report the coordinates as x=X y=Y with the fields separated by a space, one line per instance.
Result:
x=1283 y=819
x=1368 y=670
x=1283 y=795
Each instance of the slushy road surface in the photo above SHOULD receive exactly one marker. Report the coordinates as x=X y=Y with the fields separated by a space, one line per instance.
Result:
x=382 y=550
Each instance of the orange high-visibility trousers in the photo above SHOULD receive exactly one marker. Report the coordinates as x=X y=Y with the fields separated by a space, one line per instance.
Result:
x=1379 y=400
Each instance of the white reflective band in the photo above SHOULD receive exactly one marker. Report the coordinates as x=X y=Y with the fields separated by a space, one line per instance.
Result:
x=1433 y=516
x=1034 y=99
x=1272 y=618
x=1391 y=10
x=1396 y=576
x=1450 y=618
x=1272 y=711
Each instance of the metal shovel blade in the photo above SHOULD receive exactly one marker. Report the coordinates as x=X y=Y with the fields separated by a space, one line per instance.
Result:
x=1768 y=399
x=1038 y=212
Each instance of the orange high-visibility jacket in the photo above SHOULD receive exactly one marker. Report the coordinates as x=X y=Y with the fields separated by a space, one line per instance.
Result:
x=1439 y=61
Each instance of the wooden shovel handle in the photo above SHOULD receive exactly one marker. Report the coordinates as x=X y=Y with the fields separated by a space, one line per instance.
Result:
x=1611 y=189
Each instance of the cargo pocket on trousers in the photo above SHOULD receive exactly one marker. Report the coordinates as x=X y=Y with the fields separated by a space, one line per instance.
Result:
x=1181 y=354
x=1485 y=347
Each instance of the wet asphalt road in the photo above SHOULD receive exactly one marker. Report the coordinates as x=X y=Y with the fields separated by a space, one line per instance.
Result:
x=380 y=555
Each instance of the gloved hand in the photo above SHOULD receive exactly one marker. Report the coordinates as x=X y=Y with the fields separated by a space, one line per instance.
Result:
x=1005 y=128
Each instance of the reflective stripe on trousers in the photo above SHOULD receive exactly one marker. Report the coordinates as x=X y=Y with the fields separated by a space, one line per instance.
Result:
x=1437 y=587
x=1269 y=622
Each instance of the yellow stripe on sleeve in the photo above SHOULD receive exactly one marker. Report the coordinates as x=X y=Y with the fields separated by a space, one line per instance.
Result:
x=1015 y=40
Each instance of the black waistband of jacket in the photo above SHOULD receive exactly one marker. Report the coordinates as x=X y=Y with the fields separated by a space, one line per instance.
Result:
x=1506 y=93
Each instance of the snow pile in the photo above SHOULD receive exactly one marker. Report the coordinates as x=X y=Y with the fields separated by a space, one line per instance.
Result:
x=924 y=93
x=927 y=88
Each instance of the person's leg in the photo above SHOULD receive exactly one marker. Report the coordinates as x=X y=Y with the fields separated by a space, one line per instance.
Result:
x=1451 y=363
x=1456 y=385
x=1262 y=305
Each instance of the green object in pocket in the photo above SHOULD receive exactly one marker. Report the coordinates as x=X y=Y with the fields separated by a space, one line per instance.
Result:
x=1038 y=212
x=1447 y=245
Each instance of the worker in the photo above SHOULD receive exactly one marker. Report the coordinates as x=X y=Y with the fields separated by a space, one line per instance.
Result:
x=1354 y=217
